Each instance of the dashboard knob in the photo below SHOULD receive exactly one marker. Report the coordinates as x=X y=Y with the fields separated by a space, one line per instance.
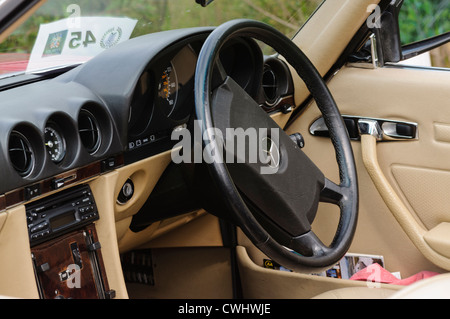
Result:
x=298 y=139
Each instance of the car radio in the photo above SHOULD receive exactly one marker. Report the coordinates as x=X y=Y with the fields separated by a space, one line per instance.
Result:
x=60 y=213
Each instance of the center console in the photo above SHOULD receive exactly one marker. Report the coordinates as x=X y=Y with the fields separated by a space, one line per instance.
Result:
x=64 y=245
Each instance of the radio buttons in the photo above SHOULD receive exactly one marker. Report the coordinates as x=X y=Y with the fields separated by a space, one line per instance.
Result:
x=39 y=235
x=85 y=217
x=56 y=215
x=39 y=227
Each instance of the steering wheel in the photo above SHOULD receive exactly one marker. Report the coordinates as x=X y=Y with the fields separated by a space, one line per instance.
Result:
x=274 y=209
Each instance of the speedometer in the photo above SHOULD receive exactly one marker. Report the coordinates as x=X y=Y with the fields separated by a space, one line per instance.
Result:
x=168 y=89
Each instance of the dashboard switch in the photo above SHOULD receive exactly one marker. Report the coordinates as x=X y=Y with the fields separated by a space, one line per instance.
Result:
x=108 y=164
x=298 y=139
x=43 y=268
x=58 y=183
x=32 y=191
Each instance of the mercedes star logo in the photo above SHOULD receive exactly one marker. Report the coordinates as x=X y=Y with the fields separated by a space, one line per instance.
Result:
x=272 y=152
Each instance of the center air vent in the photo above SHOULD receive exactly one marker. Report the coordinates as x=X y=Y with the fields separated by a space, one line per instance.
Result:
x=21 y=153
x=269 y=85
x=89 y=131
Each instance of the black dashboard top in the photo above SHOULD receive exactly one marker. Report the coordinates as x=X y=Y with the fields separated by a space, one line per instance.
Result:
x=115 y=109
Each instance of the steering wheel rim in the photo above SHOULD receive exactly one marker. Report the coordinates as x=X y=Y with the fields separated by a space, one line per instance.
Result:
x=314 y=255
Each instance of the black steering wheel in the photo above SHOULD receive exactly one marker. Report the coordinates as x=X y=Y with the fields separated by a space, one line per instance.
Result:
x=274 y=209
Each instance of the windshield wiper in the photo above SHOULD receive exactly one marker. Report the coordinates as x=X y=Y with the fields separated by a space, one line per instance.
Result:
x=11 y=75
x=56 y=69
x=13 y=80
x=43 y=72
x=204 y=3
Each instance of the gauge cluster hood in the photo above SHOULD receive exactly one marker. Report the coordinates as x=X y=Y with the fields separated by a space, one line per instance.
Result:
x=113 y=75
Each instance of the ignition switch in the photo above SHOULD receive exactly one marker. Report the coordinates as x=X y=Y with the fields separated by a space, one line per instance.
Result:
x=126 y=193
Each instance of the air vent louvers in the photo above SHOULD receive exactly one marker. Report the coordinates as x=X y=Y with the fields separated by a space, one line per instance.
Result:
x=89 y=131
x=21 y=153
x=269 y=84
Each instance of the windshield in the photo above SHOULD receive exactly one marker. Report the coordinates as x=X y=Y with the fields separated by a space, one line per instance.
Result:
x=66 y=32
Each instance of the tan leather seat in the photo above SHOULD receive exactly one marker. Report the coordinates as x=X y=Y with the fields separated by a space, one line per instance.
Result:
x=437 y=287
x=357 y=293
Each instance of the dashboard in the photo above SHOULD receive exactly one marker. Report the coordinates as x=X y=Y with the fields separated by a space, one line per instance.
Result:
x=120 y=107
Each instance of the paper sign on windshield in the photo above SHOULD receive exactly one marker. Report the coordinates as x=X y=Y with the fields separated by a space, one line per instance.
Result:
x=62 y=43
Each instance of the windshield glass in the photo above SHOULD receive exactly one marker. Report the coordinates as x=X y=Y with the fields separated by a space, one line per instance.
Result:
x=66 y=32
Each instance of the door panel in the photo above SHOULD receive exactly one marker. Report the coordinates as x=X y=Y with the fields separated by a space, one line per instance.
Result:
x=415 y=183
x=417 y=171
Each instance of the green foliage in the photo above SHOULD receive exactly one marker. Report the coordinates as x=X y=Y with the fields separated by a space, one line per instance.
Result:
x=157 y=15
x=421 y=19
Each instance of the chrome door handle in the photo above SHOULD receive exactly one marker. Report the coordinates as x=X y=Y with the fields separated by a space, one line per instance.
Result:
x=387 y=130
x=394 y=130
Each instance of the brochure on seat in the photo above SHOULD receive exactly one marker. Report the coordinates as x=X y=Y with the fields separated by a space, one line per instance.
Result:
x=350 y=264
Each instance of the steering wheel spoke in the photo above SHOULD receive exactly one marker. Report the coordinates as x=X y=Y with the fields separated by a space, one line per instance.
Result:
x=219 y=75
x=309 y=245
x=333 y=193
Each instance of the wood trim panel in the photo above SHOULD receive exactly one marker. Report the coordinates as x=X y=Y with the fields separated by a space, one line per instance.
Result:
x=46 y=186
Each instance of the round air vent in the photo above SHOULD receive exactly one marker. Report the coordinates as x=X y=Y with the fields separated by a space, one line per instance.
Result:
x=89 y=131
x=270 y=85
x=21 y=153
